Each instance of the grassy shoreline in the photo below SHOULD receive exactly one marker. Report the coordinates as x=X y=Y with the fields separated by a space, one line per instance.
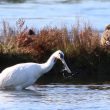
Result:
x=81 y=45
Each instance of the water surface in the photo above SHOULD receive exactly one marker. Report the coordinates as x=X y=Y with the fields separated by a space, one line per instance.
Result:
x=57 y=97
x=40 y=13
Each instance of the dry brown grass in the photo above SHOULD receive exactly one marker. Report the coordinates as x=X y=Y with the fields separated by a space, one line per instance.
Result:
x=47 y=40
x=81 y=46
x=85 y=39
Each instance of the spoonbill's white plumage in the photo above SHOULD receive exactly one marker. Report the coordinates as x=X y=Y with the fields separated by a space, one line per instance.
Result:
x=23 y=75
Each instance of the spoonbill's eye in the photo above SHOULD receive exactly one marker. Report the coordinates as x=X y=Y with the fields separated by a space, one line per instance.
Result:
x=61 y=56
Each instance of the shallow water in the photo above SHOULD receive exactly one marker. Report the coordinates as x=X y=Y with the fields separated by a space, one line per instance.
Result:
x=57 y=97
x=40 y=13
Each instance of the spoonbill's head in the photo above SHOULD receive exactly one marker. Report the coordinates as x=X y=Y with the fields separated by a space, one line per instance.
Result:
x=60 y=55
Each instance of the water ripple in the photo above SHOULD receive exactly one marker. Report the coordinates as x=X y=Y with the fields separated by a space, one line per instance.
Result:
x=54 y=97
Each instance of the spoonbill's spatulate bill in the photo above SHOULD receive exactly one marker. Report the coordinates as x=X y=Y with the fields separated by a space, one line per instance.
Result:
x=23 y=75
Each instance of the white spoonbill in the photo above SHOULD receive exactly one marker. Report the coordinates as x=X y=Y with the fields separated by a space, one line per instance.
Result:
x=23 y=75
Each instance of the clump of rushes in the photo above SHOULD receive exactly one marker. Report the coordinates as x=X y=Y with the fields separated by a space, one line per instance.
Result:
x=85 y=39
x=81 y=46
x=8 y=37
x=19 y=40
x=44 y=41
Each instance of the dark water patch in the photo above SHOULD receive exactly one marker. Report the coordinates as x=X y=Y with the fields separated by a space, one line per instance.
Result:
x=99 y=87
x=12 y=1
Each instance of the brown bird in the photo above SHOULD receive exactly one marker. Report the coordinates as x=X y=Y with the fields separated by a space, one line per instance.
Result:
x=105 y=39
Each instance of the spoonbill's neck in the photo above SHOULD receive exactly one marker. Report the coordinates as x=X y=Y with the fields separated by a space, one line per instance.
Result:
x=47 y=66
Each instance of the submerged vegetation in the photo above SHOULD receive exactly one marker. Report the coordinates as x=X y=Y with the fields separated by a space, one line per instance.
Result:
x=83 y=53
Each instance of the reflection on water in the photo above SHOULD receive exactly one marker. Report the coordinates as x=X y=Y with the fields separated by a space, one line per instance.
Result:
x=57 y=97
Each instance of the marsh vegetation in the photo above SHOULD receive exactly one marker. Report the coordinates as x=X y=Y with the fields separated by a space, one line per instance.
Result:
x=81 y=46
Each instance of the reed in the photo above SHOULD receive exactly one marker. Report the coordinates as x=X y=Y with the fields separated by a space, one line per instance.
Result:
x=81 y=46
